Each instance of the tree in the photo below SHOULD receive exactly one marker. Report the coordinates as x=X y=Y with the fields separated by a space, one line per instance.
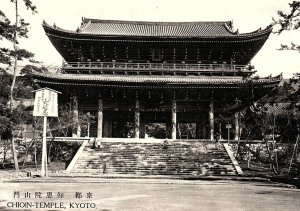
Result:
x=289 y=21
x=10 y=56
x=274 y=119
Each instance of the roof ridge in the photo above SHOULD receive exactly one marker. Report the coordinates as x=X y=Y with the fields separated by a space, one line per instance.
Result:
x=86 y=20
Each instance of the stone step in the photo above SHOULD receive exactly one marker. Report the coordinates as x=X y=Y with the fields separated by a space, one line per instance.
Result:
x=179 y=157
x=153 y=169
x=152 y=159
x=152 y=163
x=157 y=173
x=154 y=156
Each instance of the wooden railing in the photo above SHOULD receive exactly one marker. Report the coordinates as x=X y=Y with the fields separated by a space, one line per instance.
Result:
x=150 y=66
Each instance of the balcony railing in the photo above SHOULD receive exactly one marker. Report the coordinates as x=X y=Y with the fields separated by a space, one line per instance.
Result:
x=152 y=66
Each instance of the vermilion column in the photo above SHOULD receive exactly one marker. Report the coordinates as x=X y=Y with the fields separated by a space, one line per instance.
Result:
x=137 y=119
x=174 y=119
x=100 y=119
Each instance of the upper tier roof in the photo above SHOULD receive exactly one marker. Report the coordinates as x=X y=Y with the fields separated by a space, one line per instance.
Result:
x=122 y=41
x=156 y=29
x=159 y=29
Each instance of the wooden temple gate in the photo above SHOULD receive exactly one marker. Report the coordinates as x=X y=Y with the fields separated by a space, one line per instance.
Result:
x=131 y=76
x=130 y=113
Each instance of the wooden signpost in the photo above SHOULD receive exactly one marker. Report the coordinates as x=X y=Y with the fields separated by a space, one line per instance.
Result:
x=45 y=105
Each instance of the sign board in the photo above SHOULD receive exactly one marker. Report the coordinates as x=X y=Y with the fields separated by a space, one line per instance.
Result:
x=228 y=126
x=45 y=103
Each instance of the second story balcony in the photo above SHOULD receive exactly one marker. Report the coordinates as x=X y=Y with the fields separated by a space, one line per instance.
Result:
x=154 y=68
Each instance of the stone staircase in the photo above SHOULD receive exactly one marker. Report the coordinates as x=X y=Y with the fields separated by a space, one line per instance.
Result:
x=178 y=158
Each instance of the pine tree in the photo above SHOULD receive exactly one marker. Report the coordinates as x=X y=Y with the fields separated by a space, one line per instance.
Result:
x=11 y=32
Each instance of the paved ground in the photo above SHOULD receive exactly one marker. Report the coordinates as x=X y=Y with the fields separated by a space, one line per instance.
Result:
x=151 y=194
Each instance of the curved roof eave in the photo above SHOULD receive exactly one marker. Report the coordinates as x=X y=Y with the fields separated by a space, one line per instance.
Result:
x=68 y=34
x=179 y=80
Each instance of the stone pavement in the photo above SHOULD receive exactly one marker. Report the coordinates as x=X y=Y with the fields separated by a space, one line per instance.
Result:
x=146 y=194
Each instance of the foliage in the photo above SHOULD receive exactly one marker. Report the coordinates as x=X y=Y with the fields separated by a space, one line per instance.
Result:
x=156 y=130
x=288 y=125
x=10 y=32
x=273 y=119
x=275 y=114
x=63 y=151
x=67 y=121
x=29 y=69
x=289 y=21
x=186 y=130
x=5 y=79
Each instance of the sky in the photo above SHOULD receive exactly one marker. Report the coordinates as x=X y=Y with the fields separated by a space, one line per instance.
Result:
x=247 y=16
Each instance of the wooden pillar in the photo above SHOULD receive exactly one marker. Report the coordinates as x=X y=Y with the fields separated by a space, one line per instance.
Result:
x=211 y=119
x=174 y=121
x=105 y=127
x=169 y=129
x=100 y=119
x=137 y=119
x=110 y=128
x=220 y=131
x=77 y=130
x=236 y=126
x=204 y=127
x=198 y=130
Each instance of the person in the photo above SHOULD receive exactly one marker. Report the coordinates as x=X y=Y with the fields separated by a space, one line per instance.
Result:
x=96 y=144
x=165 y=144
x=217 y=136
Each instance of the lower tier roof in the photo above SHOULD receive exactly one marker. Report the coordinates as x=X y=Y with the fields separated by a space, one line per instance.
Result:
x=153 y=81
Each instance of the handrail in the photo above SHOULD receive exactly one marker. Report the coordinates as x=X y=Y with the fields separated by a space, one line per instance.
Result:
x=151 y=66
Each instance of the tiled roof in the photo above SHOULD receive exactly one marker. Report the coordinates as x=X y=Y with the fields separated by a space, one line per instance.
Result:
x=160 y=29
x=157 y=29
x=280 y=109
x=148 y=79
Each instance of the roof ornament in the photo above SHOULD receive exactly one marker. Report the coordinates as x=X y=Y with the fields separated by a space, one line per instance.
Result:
x=230 y=25
x=278 y=77
x=54 y=25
